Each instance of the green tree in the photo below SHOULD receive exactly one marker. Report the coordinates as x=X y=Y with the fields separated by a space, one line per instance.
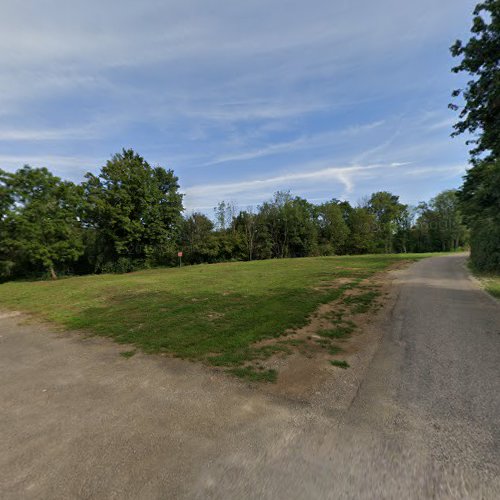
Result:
x=451 y=230
x=39 y=223
x=480 y=202
x=387 y=210
x=480 y=116
x=199 y=240
x=440 y=227
x=289 y=225
x=134 y=209
x=333 y=230
x=404 y=224
x=480 y=58
x=362 y=227
x=246 y=224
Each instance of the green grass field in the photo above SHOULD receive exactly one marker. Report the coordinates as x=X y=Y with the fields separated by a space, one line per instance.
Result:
x=212 y=313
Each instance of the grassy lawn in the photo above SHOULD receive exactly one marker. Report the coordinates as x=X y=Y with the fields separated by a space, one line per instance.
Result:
x=212 y=313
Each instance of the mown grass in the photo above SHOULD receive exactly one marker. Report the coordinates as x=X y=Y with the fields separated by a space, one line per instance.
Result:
x=212 y=312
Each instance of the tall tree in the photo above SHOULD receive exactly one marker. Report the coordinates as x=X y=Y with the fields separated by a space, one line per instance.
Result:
x=387 y=210
x=246 y=225
x=332 y=228
x=289 y=224
x=480 y=58
x=451 y=230
x=404 y=223
x=134 y=208
x=480 y=202
x=198 y=239
x=39 y=223
x=362 y=226
x=480 y=116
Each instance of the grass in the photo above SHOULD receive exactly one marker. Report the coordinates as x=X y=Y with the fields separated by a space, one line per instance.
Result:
x=491 y=284
x=334 y=349
x=213 y=313
x=361 y=303
x=254 y=375
x=339 y=363
x=338 y=332
x=127 y=354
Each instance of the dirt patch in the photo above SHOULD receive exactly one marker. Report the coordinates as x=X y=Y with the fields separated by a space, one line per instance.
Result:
x=343 y=330
x=9 y=314
x=334 y=283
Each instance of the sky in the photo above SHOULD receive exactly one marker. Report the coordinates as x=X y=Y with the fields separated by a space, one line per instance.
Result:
x=325 y=98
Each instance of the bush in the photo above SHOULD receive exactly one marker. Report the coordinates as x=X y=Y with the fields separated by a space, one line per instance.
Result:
x=123 y=265
x=485 y=246
x=6 y=269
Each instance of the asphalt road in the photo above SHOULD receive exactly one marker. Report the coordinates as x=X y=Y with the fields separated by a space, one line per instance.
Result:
x=79 y=421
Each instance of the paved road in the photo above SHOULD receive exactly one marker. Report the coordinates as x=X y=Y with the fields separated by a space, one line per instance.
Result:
x=79 y=421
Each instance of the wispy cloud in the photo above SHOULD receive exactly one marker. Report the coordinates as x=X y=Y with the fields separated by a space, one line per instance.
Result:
x=338 y=181
x=262 y=95
x=301 y=143
x=45 y=134
x=68 y=167
x=343 y=175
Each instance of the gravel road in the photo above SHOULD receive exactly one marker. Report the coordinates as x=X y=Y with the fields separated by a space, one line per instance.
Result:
x=79 y=421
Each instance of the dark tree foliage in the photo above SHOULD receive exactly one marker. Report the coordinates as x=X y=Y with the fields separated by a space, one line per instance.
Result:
x=199 y=241
x=480 y=201
x=132 y=212
x=439 y=226
x=480 y=116
x=40 y=231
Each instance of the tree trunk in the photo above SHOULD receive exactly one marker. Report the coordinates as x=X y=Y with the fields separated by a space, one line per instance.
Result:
x=53 y=274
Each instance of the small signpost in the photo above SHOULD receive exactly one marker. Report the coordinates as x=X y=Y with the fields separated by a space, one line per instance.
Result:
x=179 y=254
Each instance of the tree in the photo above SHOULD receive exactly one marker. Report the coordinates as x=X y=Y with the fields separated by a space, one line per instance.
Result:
x=225 y=213
x=135 y=210
x=480 y=116
x=289 y=225
x=440 y=227
x=424 y=234
x=246 y=225
x=39 y=223
x=332 y=228
x=387 y=210
x=404 y=223
x=362 y=226
x=480 y=202
x=451 y=229
x=198 y=239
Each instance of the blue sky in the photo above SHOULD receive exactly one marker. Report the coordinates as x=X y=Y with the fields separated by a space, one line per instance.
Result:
x=335 y=98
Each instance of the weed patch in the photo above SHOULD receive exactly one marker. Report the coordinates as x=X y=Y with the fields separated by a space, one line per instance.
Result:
x=339 y=363
x=254 y=375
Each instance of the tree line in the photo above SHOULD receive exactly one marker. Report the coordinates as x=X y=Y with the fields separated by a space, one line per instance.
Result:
x=130 y=216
